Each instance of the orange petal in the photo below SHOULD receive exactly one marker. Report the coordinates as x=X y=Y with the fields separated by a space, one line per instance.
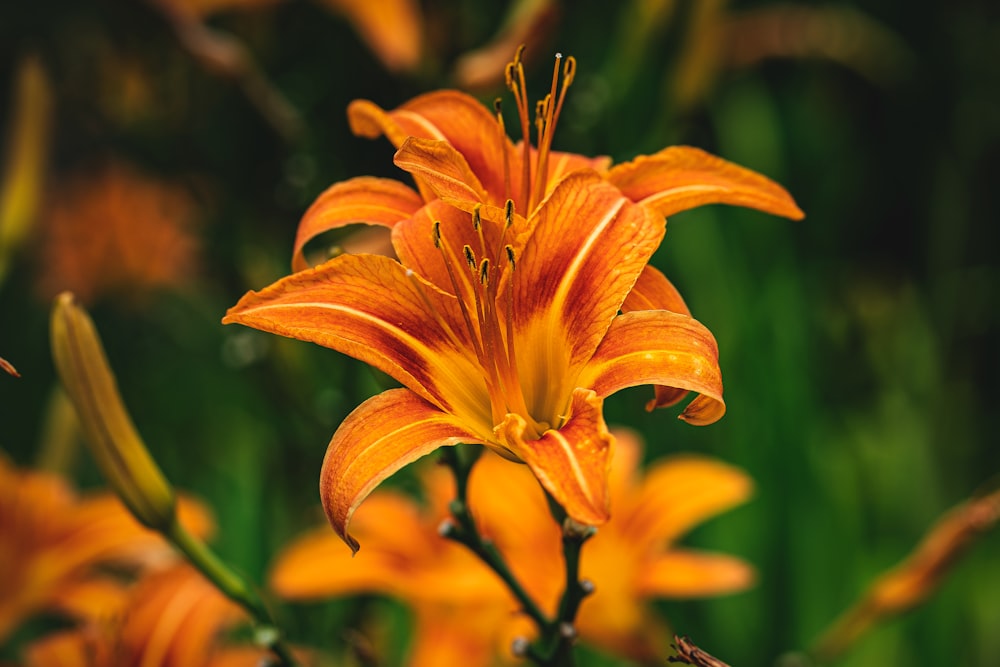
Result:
x=681 y=177
x=588 y=248
x=368 y=200
x=560 y=165
x=68 y=648
x=510 y=507
x=572 y=463
x=8 y=367
x=682 y=573
x=442 y=168
x=653 y=291
x=470 y=635
x=379 y=437
x=682 y=492
x=371 y=308
x=446 y=115
x=662 y=348
x=91 y=598
x=316 y=566
x=393 y=29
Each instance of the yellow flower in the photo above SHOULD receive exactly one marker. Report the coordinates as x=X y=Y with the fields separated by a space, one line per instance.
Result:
x=51 y=541
x=171 y=618
x=460 y=605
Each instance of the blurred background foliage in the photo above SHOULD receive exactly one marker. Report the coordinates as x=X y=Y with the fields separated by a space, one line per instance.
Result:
x=159 y=155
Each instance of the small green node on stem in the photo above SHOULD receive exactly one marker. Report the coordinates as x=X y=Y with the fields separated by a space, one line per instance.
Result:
x=448 y=530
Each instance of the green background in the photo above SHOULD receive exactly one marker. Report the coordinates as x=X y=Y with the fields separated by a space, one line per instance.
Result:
x=859 y=346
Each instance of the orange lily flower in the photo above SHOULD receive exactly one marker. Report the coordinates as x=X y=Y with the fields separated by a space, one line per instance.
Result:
x=51 y=541
x=117 y=231
x=458 y=151
x=170 y=618
x=632 y=558
x=461 y=607
x=518 y=360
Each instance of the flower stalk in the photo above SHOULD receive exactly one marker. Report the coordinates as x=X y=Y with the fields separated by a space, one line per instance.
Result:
x=129 y=468
x=465 y=532
x=554 y=646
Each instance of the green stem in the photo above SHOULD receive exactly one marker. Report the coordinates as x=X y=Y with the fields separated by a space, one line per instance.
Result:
x=464 y=531
x=234 y=587
x=554 y=647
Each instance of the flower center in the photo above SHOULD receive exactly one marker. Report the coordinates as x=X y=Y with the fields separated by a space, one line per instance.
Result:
x=534 y=173
x=482 y=280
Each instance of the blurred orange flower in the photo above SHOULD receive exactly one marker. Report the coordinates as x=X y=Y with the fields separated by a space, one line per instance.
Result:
x=912 y=581
x=8 y=367
x=462 y=609
x=170 y=618
x=392 y=29
x=51 y=540
x=114 y=231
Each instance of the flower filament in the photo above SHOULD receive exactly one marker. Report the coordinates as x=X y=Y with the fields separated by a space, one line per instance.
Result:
x=488 y=315
x=547 y=111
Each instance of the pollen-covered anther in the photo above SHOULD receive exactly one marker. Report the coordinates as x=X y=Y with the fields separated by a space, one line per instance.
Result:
x=470 y=257
x=509 y=249
x=484 y=272
x=436 y=233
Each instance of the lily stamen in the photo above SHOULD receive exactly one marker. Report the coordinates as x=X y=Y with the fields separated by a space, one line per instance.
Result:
x=552 y=110
x=445 y=255
x=519 y=87
x=497 y=108
x=547 y=112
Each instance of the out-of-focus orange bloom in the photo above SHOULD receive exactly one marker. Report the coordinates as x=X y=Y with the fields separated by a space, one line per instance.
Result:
x=528 y=23
x=520 y=360
x=170 y=618
x=114 y=231
x=461 y=606
x=8 y=367
x=392 y=29
x=912 y=581
x=51 y=540
x=632 y=558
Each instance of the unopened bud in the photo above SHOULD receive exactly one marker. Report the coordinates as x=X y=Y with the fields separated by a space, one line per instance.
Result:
x=119 y=451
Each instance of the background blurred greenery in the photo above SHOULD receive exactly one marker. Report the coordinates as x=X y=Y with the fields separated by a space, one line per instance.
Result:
x=858 y=346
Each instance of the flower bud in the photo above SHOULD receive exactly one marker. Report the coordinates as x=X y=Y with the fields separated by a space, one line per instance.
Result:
x=114 y=442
